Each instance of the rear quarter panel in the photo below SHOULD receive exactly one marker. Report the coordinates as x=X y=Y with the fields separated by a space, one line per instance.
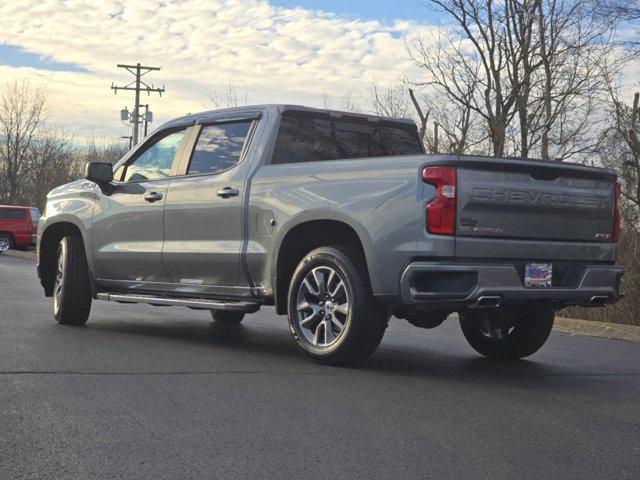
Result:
x=382 y=199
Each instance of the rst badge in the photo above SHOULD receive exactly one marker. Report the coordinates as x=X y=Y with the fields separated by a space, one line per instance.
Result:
x=603 y=236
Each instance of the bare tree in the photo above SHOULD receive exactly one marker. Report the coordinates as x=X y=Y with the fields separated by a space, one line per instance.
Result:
x=625 y=10
x=422 y=115
x=391 y=101
x=347 y=102
x=96 y=149
x=573 y=45
x=230 y=98
x=471 y=58
x=460 y=126
x=51 y=161
x=22 y=109
x=531 y=70
x=620 y=149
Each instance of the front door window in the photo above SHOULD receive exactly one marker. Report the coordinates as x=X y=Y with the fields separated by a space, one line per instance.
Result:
x=156 y=161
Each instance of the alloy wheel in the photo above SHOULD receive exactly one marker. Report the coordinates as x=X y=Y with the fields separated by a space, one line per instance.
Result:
x=4 y=244
x=323 y=306
x=59 y=281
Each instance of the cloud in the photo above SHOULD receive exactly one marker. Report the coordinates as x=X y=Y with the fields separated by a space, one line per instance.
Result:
x=289 y=55
x=274 y=54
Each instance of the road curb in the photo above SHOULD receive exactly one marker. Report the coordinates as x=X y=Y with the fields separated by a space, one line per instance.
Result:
x=21 y=254
x=617 y=331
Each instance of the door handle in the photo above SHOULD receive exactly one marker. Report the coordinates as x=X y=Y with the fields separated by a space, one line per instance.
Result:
x=153 y=197
x=228 y=192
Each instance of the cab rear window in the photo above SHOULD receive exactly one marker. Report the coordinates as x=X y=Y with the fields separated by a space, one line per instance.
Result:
x=308 y=137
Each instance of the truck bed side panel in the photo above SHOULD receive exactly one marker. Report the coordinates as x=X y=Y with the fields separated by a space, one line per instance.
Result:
x=382 y=199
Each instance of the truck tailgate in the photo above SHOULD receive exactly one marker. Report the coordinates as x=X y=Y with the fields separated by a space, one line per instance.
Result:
x=534 y=200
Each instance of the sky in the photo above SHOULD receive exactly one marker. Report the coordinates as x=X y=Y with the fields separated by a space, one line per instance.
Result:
x=272 y=50
x=384 y=10
x=284 y=51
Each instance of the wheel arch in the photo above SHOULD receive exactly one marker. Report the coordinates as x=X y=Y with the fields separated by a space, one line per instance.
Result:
x=304 y=236
x=48 y=250
x=10 y=234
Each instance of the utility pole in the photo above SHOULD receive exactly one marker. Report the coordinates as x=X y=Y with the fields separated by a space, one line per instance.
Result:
x=148 y=118
x=137 y=86
x=130 y=139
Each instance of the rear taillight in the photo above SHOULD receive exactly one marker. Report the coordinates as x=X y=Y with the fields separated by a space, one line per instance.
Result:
x=441 y=212
x=616 y=212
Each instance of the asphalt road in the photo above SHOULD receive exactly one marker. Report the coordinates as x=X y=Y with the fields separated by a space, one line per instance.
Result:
x=149 y=392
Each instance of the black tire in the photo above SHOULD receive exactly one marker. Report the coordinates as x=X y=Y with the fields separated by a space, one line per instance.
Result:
x=227 y=317
x=72 y=290
x=518 y=338
x=6 y=242
x=364 y=323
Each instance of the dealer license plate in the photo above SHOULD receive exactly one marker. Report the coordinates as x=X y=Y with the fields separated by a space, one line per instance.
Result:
x=538 y=274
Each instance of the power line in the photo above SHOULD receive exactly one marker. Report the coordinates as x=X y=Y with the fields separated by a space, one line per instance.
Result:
x=138 y=86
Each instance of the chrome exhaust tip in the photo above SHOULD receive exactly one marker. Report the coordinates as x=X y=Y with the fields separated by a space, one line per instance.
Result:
x=599 y=301
x=488 y=301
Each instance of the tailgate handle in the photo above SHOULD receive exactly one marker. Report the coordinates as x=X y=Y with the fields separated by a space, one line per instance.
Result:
x=541 y=175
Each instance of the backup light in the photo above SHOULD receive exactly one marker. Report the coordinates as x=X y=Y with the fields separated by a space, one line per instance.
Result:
x=441 y=212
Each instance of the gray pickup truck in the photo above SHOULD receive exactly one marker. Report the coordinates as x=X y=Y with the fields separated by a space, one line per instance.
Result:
x=340 y=220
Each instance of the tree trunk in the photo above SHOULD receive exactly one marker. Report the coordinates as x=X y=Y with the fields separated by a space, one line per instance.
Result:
x=546 y=93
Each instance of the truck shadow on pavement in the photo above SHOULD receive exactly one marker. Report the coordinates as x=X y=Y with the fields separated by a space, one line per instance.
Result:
x=236 y=337
x=262 y=345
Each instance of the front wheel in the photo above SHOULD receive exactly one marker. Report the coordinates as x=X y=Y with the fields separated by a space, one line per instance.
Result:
x=71 y=290
x=507 y=338
x=333 y=315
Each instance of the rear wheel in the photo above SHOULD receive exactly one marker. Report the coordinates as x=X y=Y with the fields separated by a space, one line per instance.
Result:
x=6 y=242
x=72 y=290
x=507 y=338
x=227 y=317
x=333 y=315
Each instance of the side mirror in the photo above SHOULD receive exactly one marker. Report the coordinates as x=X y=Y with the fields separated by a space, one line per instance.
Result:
x=99 y=172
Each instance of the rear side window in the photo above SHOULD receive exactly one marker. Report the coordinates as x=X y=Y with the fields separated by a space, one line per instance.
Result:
x=13 y=214
x=308 y=137
x=35 y=214
x=219 y=147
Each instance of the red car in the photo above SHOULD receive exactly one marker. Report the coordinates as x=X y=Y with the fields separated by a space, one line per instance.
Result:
x=18 y=227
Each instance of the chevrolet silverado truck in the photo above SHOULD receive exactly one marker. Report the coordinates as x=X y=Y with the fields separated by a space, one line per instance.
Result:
x=340 y=221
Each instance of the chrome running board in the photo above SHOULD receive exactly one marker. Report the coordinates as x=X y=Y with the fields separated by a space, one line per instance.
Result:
x=195 y=303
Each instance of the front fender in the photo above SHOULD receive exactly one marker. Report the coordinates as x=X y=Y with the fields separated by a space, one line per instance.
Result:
x=72 y=205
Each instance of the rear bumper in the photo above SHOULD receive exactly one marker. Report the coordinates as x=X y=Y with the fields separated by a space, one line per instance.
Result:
x=441 y=285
